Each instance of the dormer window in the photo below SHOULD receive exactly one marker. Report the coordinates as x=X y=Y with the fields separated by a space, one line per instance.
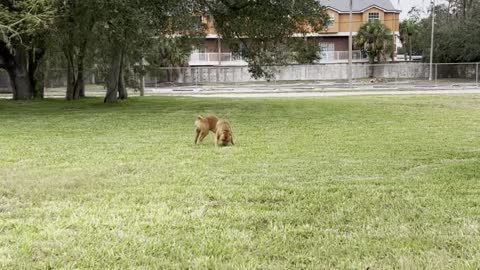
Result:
x=373 y=17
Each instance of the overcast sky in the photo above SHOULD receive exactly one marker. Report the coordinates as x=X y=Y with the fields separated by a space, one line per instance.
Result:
x=406 y=5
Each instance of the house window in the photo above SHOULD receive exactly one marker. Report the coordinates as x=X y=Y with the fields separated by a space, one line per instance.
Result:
x=331 y=22
x=327 y=46
x=373 y=17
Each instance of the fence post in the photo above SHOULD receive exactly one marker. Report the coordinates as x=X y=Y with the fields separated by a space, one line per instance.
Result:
x=196 y=77
x=436 y=74
x=192 y=75
x=476 y=76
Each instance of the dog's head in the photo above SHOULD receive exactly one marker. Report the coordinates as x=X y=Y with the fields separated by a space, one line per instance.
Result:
x=225 y=138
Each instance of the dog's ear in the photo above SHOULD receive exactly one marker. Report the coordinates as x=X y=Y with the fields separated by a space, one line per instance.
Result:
x=200 y=117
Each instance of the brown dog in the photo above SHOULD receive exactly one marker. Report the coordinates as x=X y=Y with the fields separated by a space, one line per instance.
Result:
x=223 y=134
x=203 y=125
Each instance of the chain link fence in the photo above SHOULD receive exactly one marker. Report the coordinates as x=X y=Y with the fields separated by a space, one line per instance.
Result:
x=415 y=74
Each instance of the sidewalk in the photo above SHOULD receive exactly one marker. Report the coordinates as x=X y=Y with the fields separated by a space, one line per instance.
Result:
x=288 y=90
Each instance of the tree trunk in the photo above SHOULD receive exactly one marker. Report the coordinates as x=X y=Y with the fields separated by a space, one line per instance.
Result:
x=371 y=60
x=142 y=77
x=122 y=89
x=142 y=85
x=39 y=81
x=410 y=48
x=81 y=69
x=71 y=79
x=115 y=81
x=21 y=86
x=75 y=77
x=169 y=75
x=37 y=67
x=81 y=82
x=19 y=75
x=75 y=70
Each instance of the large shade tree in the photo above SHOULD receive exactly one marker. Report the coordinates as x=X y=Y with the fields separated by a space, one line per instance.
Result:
x=120 y=33
x=23 y=33
x=129 y=28
x=73 y=33
x=457 y=32
x=262 y=30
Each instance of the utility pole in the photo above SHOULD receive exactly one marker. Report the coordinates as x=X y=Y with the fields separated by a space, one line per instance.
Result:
x=430 y=77
x=350 y=45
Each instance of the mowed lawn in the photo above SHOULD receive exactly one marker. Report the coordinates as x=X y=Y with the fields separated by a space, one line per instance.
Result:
x=356 y=183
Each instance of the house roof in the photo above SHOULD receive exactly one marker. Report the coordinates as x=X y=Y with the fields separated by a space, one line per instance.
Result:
x=343 y=6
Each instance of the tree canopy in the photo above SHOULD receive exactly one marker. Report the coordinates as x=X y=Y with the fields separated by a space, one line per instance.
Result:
x=457 y=32
x=119 y=34
x=24 y=26
x=261 y=30
x=377 y=40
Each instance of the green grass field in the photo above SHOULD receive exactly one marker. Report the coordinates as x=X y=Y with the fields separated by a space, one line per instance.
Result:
x=378 y=182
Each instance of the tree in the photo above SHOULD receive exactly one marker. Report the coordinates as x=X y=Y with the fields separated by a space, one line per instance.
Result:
x=169 y=52
x=304 y=51
x=374 y=37
x=129 y=28
x=261 y=30
x=408 y=33
x=23 y=29
x=457 y=32
x=74 y=23
x=126 y=31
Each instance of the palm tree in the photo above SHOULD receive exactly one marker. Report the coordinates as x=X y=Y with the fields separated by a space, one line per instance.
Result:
x=408 y=29
x=374 y=37
x=170 y=53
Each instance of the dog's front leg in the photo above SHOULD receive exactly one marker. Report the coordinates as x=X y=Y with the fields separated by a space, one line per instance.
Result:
x=196 y=136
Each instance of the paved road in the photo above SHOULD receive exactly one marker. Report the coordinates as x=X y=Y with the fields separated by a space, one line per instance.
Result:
x=335 y=94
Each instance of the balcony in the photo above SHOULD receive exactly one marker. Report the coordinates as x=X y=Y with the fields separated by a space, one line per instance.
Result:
x=341 y=57
x=230 y=59
x=216 y=59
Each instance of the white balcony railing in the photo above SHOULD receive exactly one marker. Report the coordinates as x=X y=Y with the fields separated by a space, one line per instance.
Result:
x=197 y=59
x=341 y=56
x=230 y=59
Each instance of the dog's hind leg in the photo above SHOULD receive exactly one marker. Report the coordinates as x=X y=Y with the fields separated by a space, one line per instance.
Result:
x=203 y=134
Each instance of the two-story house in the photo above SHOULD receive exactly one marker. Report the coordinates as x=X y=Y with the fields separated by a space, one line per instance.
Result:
x=333 y=41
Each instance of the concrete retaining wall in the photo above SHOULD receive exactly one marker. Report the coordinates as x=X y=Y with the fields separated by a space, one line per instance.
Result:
x=192 y=75
x=323 y=72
